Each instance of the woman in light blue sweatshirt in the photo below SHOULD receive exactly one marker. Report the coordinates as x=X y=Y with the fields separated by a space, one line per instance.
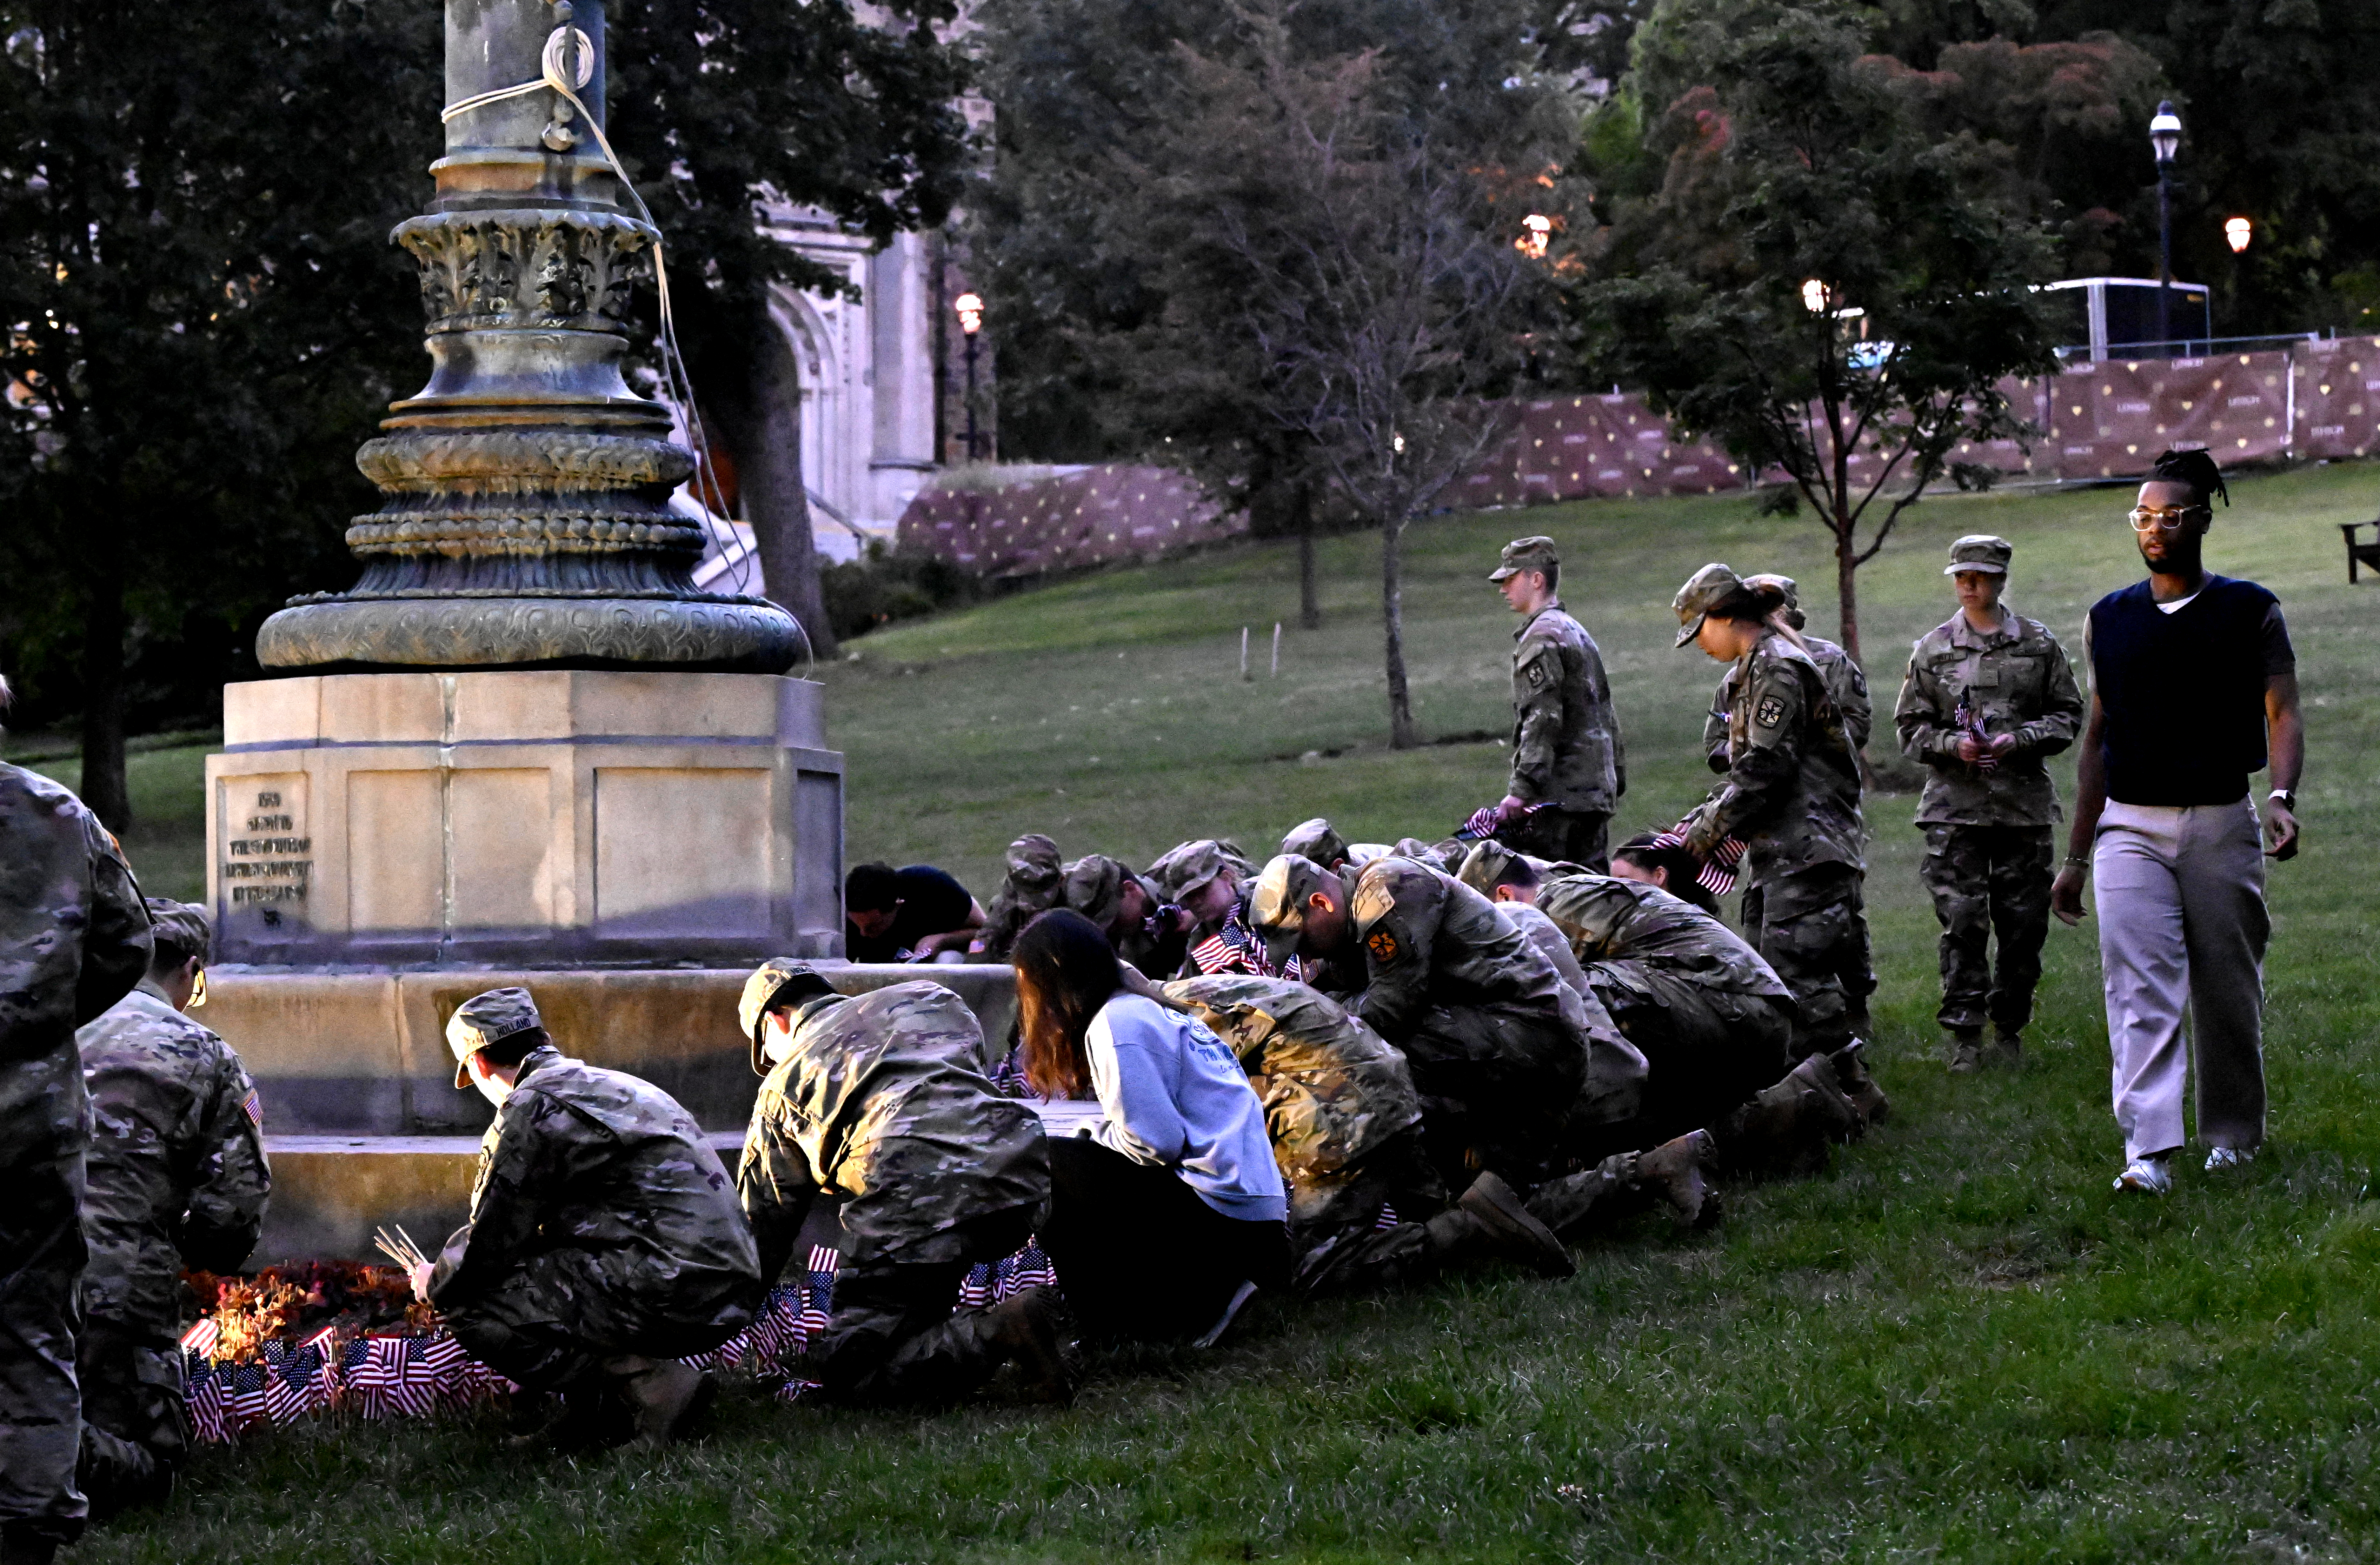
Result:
x=1164 y=1217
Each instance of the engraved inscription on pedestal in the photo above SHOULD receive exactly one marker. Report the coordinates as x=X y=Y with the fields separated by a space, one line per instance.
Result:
x=268 y=852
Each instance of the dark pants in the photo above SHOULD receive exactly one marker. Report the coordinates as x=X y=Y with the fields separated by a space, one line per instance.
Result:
x=1987 y=880
x=1499 y=1083
x=553 y=1320
x=1707 y=1050
x=1334 y=1221
x=1566 y=836
x=1812 y=928
x=1139 y=1257
x=896 y=1335
x=135 y=1430
x=44 y=1130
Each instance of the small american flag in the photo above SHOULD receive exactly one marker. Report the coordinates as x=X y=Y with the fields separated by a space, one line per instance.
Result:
x=245 y=1403
x=1483 y=822
x=206 y=1404
x=1232 y=948
x=991 y=1281
x=1971 y=723
x=253 y=1107
x=1716 y=875
x=1388 y=1218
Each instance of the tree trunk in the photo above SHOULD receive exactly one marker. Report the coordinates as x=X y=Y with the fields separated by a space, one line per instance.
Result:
x=1392 y=617
x=761 y=419
x=1310 y=589
x=105 y=788
x=1846 y=593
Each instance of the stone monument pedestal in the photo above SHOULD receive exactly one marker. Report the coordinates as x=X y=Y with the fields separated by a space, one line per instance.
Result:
x=552 y=818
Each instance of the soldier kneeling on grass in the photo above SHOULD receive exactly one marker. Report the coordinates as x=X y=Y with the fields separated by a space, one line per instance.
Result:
x=176 y=1182
x=881 y=1100
x=605 y=1243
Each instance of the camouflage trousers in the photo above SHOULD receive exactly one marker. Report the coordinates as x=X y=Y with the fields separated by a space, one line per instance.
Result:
x=1812 y=928
x=1498 y=1086
x=894 y=1336
x=44 y=1130
x=1708 y=1050
x=551 y=1323
x=1566 y=836
x=1334 y=1221
x=1988 y=881
x=136 y=1431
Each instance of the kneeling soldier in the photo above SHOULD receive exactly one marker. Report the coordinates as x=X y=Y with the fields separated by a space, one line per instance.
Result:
x=881 y=1100
x=604 y=1242
x=1507 y=1058
x=1345 y=1125
x=178 y=1182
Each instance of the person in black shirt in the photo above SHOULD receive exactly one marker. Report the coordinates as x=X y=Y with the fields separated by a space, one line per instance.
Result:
x=911 y=914
x=2193 y=688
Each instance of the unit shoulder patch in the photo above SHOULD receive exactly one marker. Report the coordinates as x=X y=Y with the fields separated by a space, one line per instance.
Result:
x=1382 y=944
x=1771 y=711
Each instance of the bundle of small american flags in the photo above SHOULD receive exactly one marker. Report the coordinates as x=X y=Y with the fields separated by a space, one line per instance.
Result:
x=417 y=1374
x=1483 y=822
x=1232 y=948
x=1716 y=875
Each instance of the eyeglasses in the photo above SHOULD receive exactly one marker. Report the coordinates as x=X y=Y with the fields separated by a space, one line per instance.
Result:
x=2145 y=518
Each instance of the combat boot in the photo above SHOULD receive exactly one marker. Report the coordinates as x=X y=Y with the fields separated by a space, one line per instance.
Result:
x=1816 y=1074
x=1564 y=1205
x=2008 y=1048
x=1859 y=1084
x=1031 y=1331
x=1782 y=1127
x=1675 y=1172
x=1490 y=1220
x=664 y=1397
x=1965 y=1050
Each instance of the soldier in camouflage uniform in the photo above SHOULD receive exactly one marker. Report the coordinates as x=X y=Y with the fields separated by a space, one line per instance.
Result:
x=1032 y=886
x=74 y=938
x=1146 y=930
x=1988 y=695
x=880 y=1101
x=1204 y=877
x=177 y=1182
x=605 y=1243
x=1505 y=1055
x=1345 y=1125
x=1566 y=750
x=1791 y=795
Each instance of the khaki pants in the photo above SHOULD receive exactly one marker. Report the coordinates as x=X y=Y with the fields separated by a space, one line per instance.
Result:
x=2182 y=924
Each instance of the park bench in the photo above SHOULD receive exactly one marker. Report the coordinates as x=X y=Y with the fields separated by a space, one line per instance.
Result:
x=2360 y=554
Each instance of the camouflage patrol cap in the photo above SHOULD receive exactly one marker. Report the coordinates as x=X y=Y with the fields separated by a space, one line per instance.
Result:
x=1095 y=885
x=1980 y=552
x=1487 y=866
x=765 y=990
x=1705 y=590
x=1783 y=586
x=488 y=1018
x=1317 y=839
x=1032 y=861
x=1277 y=907
x=1185 y=868
x=181 y=930
x=1526 y=554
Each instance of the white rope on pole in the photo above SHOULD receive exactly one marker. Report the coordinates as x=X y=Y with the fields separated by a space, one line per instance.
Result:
x=570 y=45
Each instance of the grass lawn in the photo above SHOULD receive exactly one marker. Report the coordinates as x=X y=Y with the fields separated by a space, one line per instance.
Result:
x=1958 y=1343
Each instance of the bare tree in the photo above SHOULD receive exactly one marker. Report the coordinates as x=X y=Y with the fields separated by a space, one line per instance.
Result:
x=1364 y=273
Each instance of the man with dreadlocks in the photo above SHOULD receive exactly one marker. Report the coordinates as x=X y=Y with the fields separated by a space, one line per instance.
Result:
x=2194 y=689
x=1988 y=695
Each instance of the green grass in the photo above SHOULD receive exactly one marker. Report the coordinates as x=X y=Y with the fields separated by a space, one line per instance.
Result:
x=1957 y=1343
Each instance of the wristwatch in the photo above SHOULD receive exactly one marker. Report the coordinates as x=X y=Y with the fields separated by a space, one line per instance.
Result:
x=2286 y=798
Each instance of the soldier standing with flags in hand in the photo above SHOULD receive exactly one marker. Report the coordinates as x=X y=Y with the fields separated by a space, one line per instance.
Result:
x=1568 y=768
x=1988 y=695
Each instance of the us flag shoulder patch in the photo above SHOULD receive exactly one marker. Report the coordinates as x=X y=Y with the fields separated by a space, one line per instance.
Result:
x=253 y=1107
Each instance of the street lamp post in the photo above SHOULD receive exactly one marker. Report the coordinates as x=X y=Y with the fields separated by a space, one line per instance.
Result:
x=2165 y=139
x=970 y=309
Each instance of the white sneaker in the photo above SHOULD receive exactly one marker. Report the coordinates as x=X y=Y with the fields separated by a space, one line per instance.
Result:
x=2149 y=1176
x=2223 y=1159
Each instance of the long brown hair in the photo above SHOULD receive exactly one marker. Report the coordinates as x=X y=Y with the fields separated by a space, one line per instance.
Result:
x=1065 y=971
x=1762 y=606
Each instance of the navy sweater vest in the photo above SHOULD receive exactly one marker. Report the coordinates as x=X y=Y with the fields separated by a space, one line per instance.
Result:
x=2183 y=693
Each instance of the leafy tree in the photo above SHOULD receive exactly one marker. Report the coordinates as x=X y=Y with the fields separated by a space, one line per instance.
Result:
x=1797 y=162
x=205 y=315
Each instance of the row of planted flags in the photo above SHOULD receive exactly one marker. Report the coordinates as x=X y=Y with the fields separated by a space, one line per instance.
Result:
x=2107 y=419
x=416 y=1373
